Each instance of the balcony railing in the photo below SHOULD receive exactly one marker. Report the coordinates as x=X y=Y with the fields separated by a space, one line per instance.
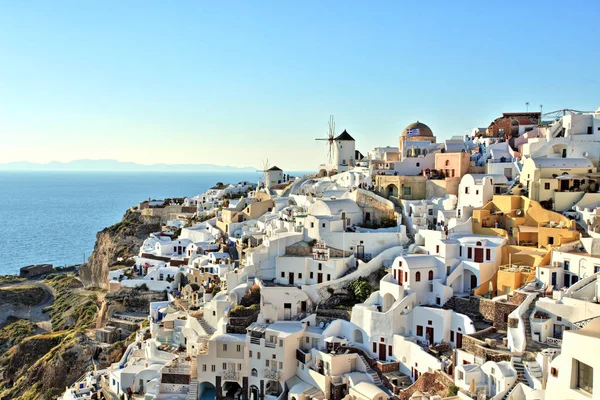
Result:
x=554 y=341
x=271 y=344
x=230 y=375
x=274 y=375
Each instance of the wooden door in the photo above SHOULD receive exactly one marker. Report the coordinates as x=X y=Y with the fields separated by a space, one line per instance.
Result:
x=429 y=334
x=478 y=255
x=382 y=348
x=319 y=278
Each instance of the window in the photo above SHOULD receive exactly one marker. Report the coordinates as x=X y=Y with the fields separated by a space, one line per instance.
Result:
x=328 y=277
x=452 y=336
x=447 y=163
x=239 y=348
x=254 y=372
x=239 y=367
x=418 y=277
x=418 y=164
x=466 y=190
x=250 y=354
x=469 y=252
x=430 y=211
x=258 y=355
x=323 y=224
x=430 y=275
x=406 y=191
x=374 y=347
x=320 y=266
x=460 y=251
x=437 y=249
x=547 y=186
x=225 y=366
x=311 y=275
x=585 y=377
x=312 y=224
x=280 y=342
x=477 y=191
x=566 y=264
x=488 y=254
x=299 y=275
x=554 y=372
x=280 y=365
x=224 y=347
x=550 y=239
x=267 y=363
x=419 y=330
x=390 y=350
x=213 y=368
x=203 y=367
x=283 y=274
x=274 y=356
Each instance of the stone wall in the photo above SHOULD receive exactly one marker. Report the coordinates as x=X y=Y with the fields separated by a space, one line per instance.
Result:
x=479 y=307
x=435 y=382
x=334 y=314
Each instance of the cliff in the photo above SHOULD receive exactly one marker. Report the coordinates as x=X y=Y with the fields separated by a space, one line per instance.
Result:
x=121 y=240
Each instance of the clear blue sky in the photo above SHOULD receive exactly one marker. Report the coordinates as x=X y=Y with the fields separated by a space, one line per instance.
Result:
x=236 y=82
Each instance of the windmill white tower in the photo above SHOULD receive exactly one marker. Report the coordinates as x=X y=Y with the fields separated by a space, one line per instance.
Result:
x=340 y=150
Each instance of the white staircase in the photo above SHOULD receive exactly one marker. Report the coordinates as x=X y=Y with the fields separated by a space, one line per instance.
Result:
x=193 y=392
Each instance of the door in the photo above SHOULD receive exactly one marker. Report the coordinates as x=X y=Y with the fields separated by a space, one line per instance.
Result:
x=554 y=279
x=429 y=334
x=287 y=311
x=458 y=340
x=382 y=348
x=564 y=185
x=319 y=278
x=303 y=306
x=473 y=282
x=558 y=331
x=291 y=278
x=478 y=255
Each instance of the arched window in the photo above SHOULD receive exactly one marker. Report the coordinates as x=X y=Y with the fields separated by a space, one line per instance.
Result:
x=254 y=372
x=430 y=277
x=478 y=243
x=447 y=163
x=418 y=277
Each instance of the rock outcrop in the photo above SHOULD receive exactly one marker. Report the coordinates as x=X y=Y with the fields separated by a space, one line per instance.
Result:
x=119 y=241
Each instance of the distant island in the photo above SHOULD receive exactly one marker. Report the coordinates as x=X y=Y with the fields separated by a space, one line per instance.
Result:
x=113 y=165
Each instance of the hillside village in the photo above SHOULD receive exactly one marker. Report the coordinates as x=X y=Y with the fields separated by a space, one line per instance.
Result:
x=461 y=269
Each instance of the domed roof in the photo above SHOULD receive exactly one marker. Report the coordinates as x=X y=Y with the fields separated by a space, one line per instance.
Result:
x=417 y=129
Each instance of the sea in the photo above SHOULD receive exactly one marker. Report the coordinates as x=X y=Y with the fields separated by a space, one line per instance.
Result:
x=53 y=217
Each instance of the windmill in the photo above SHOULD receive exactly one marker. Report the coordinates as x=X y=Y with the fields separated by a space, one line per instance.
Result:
x=265 y=168
x=330 y=138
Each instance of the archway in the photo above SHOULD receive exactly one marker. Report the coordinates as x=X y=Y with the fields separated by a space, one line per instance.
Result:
x=231 y=390
x=391 y=190
x=357 y=336
x=388 y=300
x=207 y=391
x=254 y=392
x=514 y=128
x=322 y=173
x=273 y=388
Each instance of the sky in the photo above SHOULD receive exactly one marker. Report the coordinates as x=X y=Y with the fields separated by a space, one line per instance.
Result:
x=236 y=82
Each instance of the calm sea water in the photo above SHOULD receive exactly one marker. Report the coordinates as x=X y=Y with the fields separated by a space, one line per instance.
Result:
x=53 y=217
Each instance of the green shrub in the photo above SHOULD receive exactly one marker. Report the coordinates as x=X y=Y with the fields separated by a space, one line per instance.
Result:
x=360 y=288
x=452 y=390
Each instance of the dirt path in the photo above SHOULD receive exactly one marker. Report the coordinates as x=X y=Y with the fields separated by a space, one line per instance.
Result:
x=33 y=313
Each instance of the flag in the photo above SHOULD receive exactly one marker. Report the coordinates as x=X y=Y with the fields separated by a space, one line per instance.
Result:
x=412 y=132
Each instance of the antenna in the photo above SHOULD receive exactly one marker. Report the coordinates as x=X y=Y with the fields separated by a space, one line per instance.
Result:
x=330 y=137
x=527 y=106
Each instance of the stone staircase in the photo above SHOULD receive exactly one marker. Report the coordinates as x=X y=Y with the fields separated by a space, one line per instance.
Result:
x=534 y=369
x=206 y=326
x=193 y=392
x=531 y=345
x=520 y=368
x=376 y=379
x=450 y=304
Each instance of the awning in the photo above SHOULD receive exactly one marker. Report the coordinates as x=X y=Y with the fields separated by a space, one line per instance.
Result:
x=562 y=177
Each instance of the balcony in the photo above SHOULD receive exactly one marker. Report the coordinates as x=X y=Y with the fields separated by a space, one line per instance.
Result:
x=271 y=344
x=230 y=375
x=273 y=375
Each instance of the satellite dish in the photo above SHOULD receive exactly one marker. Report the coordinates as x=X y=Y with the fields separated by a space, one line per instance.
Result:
x=585 y=154
x=519 y=213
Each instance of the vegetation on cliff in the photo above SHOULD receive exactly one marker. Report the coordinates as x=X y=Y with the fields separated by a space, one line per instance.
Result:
x=14 y=331
x=28 y=295
x=40 y=366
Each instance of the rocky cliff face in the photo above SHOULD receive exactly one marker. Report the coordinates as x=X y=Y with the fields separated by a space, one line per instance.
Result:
x=121 y=240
